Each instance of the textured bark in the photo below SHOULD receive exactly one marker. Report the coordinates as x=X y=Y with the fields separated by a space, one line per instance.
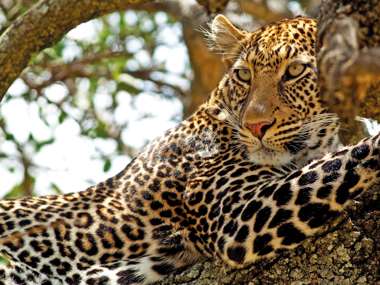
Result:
x=349 y=61
x=44 y=25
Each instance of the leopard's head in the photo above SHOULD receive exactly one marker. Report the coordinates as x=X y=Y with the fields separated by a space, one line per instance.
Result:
x=270 y=95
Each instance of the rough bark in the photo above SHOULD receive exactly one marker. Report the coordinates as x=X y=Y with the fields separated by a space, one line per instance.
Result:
x=42 y=26
x=349 y=61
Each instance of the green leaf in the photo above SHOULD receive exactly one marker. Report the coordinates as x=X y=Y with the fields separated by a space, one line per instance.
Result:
x=62 y=116
x=93 y=86
x=128 y=87
x=55 y=188
x=11 y=169
x=15 y=192
x=101 y=130
x=41 y=144
x=9 y=137
x=19 y=190
x=31 y=138
x=107 y=165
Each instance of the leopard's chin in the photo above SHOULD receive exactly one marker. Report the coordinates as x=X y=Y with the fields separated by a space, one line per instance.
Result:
x=263 y=153
x=267 y=156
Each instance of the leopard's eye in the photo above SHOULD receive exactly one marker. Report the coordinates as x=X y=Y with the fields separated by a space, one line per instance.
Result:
x=244 y=74
x=294 y=70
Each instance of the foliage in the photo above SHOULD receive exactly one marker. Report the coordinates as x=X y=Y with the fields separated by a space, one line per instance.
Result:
x=84 y=80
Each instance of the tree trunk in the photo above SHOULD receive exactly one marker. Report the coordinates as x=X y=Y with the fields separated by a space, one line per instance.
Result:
x=350 y=252
x=207 y=67
x=349 y=61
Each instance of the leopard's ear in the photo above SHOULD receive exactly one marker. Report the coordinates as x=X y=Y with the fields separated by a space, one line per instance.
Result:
x=225 y=38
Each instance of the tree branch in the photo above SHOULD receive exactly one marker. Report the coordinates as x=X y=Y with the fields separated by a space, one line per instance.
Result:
x=349 y=61
x=171 y=7
x=74 y=69
x=261 y=11
x=42 y=26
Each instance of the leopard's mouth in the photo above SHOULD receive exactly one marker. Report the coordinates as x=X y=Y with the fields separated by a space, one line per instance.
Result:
x=259 y=129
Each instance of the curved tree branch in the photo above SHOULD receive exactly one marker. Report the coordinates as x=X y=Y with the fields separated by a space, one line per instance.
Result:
x=42 y=26
x=261 y=11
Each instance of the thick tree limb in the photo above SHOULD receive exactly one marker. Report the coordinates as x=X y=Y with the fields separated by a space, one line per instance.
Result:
x=347 y=254
x=349 y=61
x=207 y=67
x=42 y=26
x=261 y=11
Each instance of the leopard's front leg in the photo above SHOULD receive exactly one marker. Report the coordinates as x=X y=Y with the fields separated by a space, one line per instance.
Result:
x=282 y=212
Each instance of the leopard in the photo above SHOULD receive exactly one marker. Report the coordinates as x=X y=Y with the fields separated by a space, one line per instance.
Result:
x=256 y=170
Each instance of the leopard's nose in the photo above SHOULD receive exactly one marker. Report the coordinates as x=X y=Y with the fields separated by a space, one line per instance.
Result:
x=258 y=129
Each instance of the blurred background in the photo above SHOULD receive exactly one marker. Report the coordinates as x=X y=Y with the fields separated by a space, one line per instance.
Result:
x=85 y=107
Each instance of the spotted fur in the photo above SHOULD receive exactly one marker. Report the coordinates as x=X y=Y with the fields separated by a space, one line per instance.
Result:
x=255 y=170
